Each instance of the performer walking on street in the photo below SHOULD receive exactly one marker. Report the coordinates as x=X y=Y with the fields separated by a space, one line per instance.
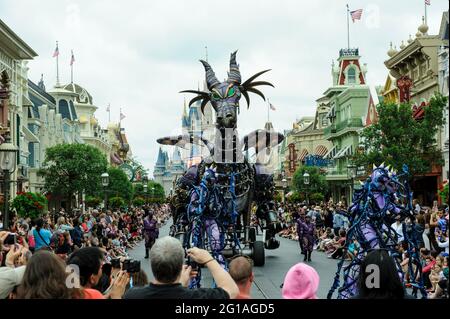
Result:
x=306 y=230
x=151 y=231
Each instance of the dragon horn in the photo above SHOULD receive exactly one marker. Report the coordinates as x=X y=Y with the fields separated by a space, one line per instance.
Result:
x=382 y=165
x=234 y=75
x=211 y=80
x=374 y=166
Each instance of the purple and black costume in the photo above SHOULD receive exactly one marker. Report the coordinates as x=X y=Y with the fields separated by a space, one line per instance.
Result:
x=371 y=215
x=305 y=231
x=151 y=231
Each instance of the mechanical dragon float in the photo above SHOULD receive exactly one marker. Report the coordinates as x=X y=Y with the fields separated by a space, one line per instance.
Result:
x=212 y=201
x=383 y=196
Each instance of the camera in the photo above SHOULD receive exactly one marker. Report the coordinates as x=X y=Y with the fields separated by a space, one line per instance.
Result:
x=11 y=239
x=193 y=264
x=115 y=263
x=131 y=265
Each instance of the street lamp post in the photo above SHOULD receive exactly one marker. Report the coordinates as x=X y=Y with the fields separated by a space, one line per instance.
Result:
x=284 y=184
x=8 y=160
x=351 y=173
x=306 y=182
x=146 y=193
x=105 y=183
x=145 y=187
x=153 y=192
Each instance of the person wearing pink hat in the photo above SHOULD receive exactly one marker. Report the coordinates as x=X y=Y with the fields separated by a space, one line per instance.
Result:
x=301 y=282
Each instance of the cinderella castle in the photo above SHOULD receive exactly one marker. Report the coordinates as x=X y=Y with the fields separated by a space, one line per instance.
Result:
x=168 y=168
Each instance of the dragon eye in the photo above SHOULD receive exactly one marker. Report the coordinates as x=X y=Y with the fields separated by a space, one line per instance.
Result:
x=215 y=96
x=231 y=92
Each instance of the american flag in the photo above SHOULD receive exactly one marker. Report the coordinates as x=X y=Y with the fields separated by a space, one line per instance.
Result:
x=272 y=107
x=428 y=2
x=72 y=59
x=356 y=15
x=56 y=53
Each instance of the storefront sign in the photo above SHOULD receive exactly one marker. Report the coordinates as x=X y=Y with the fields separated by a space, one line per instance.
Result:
x=316 y=160
x=292 y=157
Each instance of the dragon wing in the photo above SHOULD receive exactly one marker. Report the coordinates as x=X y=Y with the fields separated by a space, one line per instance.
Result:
x=261 y=139
x=184 y=140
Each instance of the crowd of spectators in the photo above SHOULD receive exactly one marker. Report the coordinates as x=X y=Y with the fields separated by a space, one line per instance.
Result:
x=330 y=220
x=85 y=256
x=94 y=245
x=331 y=224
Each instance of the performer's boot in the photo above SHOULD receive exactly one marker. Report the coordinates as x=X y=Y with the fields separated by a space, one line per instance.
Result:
x=309 y=255
x=146 y=253
x=306 y=255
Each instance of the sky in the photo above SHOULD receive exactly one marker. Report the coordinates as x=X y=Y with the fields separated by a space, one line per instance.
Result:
x=137 y=55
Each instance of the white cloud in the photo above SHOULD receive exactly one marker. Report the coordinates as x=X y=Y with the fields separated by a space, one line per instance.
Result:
x=139 y=54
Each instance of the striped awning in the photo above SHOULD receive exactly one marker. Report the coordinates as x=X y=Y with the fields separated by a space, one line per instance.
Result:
x=321 y=150
x=346 y=151
x=331 y=153
x=303 y=154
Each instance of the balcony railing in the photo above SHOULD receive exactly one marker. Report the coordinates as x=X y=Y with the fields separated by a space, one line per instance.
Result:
x=353 y=122
x=329 y=130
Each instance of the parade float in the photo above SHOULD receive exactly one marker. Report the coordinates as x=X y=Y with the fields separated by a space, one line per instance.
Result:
x=212 y=201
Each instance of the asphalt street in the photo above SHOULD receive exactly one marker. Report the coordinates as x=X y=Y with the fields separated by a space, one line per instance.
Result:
x=269 y=277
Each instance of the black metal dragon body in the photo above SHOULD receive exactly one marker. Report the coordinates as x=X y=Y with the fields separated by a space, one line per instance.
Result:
x=239 y=183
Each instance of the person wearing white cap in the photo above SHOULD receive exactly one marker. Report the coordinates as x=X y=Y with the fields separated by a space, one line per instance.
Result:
x=9 y=279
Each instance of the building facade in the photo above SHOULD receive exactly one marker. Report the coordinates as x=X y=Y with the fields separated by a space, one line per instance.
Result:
x=200 y=124
x=90 y=131
x=35 y=118
x=168 y=170
x=14 y=104
x=443 y=79
x=415 y=68
x=196 y=123
x=349 y=99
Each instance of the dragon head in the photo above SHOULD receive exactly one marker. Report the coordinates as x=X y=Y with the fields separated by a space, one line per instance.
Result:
x=224 y=96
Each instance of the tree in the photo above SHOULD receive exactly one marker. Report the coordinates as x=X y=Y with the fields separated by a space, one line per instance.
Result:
x=397 y=138
x=73 y=168
x=138 y=201
x=156 y=191
x=138 y=190
x=93 y=201
x=317 y=181
x=116 y=202
x=119 y=184
x=29 y=204
x=317 y=198
x=443 y=192
x=296 y=197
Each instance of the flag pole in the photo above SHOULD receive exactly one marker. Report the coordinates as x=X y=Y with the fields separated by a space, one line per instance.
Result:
x=71 y=67
x=57 y=65
x=425 y=3
x=348 y=28
x=268 y=111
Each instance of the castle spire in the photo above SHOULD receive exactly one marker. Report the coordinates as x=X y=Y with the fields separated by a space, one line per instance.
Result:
x=184 y=108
